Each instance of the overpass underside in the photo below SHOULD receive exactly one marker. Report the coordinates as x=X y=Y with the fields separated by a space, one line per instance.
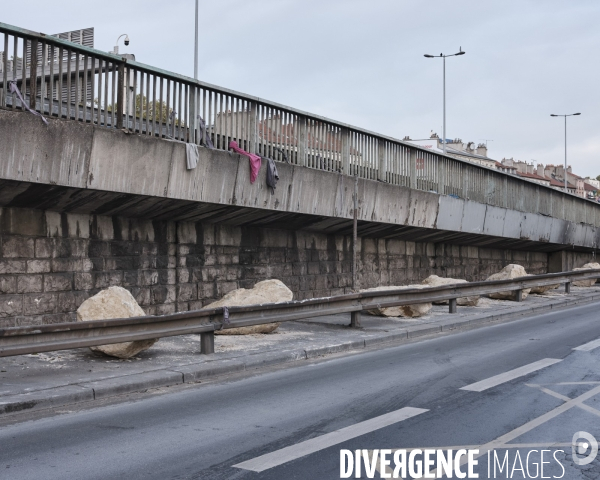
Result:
x=57 y=198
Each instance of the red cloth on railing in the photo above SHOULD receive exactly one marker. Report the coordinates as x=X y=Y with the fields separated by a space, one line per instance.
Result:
x=254 y=160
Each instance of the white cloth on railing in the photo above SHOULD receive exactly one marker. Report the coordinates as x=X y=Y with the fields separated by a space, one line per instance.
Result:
x=12 y=85
x=191 y=154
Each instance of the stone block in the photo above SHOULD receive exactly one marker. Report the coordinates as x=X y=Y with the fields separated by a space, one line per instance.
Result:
x=83 y=281
x=13 y=266
x=23 y=221
x=206 y=290
x=163 y=294
x=164 y=309
x=56 y=282
x=98 y=248
x=29 y=283
x=167 y=276
x=131 y=278
x=187 y=292
x=70 y=301
x=78 y=225
x=8 y=284
x=232 y=236
x=141 y=295
x=38 y=266
x=11 y=305
x=36 y=304
x=148 y=277
x=107 y=279
x=17 y=247
x=67 y=265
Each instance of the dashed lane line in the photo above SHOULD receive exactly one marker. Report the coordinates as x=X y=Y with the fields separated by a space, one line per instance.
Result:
x=287 y=454
x=588 y=347
x=510 y=375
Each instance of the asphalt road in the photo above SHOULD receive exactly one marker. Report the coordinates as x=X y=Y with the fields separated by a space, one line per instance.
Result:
x=201 y=432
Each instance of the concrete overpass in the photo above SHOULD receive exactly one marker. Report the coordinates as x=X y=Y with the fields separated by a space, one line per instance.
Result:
x=102 y=196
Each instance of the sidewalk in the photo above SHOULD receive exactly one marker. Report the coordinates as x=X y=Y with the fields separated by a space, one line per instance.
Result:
x=58 y=378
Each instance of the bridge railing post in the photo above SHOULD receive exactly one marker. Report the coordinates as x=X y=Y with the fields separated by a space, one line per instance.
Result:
x=441 y=175
x=412 y=167
x=346 y=151
x=382 y=170
x=32 y=75
x=120 y=94
x=252 y=134
x=302 y=141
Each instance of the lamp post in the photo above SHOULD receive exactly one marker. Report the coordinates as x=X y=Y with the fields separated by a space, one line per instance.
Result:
x=196 y=46
x=568 y=115
x=442 y=56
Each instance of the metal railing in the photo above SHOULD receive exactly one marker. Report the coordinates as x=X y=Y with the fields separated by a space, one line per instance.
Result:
x=62 y=336
x=67 y=80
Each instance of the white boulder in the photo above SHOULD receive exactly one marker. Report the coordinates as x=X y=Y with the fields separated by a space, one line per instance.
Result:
x=415 y=310
x=510 y=271
x=267 y=291
x=591 y=281
x=114 y=302
x=435 y=281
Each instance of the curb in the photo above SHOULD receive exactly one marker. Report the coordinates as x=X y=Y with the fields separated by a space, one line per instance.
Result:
x=193 y=373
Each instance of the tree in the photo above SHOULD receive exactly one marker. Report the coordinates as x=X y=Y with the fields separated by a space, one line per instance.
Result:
x=598 y=178
x=150 y=109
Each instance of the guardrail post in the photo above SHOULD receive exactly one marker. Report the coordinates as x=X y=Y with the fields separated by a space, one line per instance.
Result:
x=567 y=287
x=519 y=295
x=207 y=343
x=355 y=319
x=452 y=304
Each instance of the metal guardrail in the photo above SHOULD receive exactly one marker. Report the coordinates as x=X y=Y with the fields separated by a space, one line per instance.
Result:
x=71 y=81
x=62 y=336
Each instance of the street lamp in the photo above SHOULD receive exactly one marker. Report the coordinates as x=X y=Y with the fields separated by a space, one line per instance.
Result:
x=569 y=115
x=441 y=55
x=196 y=46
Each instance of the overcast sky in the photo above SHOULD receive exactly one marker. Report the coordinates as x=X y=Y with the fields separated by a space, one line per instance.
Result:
x=361 y=62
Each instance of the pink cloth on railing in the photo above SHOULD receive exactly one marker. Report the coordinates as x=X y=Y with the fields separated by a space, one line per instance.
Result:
x=254 y=160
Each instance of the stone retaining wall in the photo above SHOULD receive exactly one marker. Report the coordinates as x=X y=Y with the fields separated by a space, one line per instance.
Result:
x=51 y=262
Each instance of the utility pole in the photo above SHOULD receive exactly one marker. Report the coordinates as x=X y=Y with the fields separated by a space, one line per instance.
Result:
x=355 y=316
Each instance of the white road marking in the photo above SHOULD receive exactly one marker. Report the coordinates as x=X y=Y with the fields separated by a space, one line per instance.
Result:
x=501 y=442
x=287 y=454
x=510 y=375
x=588 y=347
